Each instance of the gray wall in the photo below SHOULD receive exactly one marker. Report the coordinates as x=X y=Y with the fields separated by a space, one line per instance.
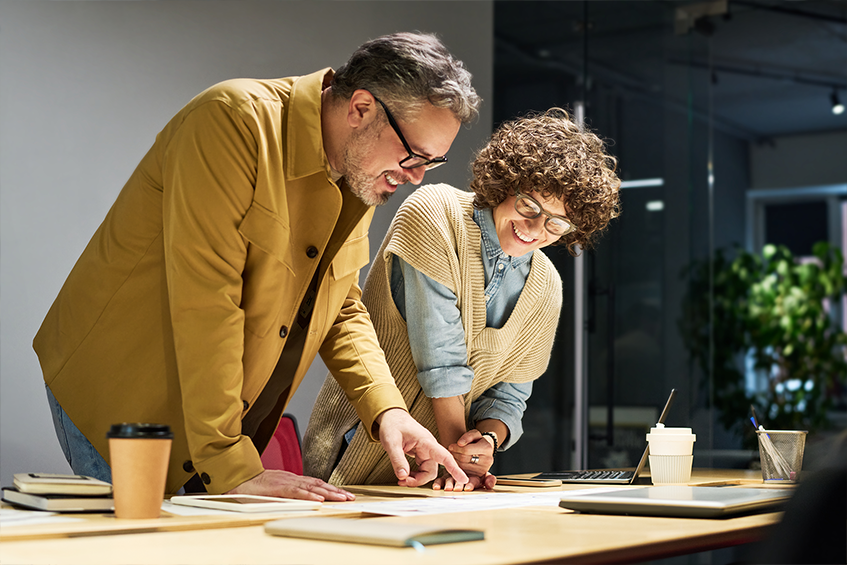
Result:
x=784 y=162
x=85 y=87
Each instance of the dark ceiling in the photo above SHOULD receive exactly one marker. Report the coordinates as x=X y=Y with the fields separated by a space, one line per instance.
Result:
x=774 y=64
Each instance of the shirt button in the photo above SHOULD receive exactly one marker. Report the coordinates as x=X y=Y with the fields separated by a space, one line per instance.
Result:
x=245 y=404
x=487 y=298
x=205 y=478
x=188 y=467
x=500 y=267
x=283 y=331
x=312 y=252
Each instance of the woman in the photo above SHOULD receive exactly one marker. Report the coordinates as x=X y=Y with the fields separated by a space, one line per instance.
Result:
x=465 y=305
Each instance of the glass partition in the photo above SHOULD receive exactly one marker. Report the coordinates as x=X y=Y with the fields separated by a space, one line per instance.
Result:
x=672 y=87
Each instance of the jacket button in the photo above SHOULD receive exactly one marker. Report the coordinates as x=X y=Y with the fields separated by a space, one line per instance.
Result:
x=205 y=478
x=312 y=252
x=188 y=467
x=283 y=331
x=246 y=405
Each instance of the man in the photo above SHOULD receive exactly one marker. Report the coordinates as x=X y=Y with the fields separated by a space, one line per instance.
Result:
x=231 y=258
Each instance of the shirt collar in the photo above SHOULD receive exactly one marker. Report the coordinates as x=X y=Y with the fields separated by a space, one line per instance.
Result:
x=490 y=242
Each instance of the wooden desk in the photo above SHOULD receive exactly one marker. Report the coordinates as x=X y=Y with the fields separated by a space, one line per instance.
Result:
x=524 y=535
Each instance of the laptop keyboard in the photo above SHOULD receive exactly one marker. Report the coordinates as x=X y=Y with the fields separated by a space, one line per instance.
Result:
x=589 y=476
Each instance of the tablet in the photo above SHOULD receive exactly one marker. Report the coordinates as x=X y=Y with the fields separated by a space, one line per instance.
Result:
x=246 y=503
x=678 y=501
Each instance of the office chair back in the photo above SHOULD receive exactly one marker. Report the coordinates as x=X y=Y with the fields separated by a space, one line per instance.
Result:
x=283 y=451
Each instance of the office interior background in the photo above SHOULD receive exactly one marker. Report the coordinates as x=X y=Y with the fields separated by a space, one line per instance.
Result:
x=719 y=113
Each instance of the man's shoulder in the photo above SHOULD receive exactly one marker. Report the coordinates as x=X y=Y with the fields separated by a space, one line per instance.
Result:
x=236 y=91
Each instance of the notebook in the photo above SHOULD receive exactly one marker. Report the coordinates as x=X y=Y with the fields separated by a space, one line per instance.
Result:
x=371 y=531
x=59 y=502
x=609 y=476
x=678 y=501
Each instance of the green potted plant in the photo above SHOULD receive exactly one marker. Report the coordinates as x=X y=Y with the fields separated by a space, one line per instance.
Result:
x=771 y=312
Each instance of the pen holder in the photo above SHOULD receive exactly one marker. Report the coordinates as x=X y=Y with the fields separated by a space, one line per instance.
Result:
x=781 y=453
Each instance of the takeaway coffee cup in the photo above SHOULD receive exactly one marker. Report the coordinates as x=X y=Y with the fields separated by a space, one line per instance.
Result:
x=139 y=454
x=671 y=454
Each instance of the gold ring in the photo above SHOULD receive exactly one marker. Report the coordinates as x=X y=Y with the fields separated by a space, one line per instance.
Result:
x=474 y=459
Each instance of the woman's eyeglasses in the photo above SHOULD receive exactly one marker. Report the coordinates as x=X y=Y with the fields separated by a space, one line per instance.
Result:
x=529 y=208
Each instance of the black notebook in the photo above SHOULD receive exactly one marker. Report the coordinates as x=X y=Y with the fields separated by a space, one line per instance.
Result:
x=609 y=476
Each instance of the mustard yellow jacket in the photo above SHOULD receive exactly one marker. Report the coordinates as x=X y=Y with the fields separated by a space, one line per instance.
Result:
x=179 y=307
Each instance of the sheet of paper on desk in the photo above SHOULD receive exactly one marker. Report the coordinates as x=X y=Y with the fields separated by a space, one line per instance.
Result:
x=466 y=502
x=14 y=517
x=179 y=510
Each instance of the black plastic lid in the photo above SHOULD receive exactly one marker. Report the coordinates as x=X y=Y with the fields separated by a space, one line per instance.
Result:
x=139 y=430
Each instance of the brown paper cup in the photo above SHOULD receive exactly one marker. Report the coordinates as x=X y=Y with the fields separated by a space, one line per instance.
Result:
x=139 y=455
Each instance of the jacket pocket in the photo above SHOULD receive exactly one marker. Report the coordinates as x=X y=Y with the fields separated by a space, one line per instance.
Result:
x=352 y=256
x=268 y=232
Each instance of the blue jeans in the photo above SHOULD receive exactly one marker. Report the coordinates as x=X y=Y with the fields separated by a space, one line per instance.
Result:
x=81 y=455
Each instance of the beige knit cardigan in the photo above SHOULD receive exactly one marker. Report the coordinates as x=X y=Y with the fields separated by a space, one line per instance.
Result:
x=435 y=233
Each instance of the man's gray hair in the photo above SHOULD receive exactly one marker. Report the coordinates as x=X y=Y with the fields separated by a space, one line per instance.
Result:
x=405 y=70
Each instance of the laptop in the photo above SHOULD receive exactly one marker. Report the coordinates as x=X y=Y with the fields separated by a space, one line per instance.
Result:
x=678 y=501
x=607 y=476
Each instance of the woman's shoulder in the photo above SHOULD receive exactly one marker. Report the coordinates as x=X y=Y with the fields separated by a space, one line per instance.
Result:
x=438 y=194
x=543 y=269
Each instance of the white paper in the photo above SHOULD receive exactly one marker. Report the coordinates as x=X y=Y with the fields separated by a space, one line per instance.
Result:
x=10 y=517
x=460 y=503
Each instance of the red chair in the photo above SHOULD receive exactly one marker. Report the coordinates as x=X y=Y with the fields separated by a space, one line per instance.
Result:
x=283 y=451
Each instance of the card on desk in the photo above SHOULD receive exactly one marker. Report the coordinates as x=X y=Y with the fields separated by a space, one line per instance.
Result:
x=370 y=531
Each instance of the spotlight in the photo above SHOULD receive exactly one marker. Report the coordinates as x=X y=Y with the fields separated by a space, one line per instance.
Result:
x=837 y=106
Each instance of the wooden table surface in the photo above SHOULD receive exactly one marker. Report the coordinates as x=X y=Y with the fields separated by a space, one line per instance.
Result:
x=515 y=535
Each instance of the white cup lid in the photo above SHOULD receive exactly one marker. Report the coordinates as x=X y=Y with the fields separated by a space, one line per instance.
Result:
x=660 y=432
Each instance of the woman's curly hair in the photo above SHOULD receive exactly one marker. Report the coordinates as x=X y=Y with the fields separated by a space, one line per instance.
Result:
x=549 y=154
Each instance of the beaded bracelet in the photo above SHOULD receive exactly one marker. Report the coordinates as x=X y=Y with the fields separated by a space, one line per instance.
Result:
x=493 y=437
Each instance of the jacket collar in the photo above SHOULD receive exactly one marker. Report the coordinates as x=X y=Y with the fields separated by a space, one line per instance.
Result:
x=304 y=152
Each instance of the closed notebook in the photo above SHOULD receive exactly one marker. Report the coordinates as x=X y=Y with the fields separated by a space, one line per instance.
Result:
x=370 y=531
x=59 y=502
x=53 y=483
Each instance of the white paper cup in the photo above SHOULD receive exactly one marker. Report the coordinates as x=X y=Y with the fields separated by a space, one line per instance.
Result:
x=671 y=454
x=671 y=469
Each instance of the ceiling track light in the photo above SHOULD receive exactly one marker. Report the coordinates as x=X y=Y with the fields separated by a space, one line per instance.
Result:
x=837 y=106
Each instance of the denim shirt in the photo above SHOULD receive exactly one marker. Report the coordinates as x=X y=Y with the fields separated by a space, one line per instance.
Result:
x=437 y=338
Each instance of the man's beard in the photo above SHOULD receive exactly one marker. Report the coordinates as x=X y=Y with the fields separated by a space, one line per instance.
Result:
x=363 y=185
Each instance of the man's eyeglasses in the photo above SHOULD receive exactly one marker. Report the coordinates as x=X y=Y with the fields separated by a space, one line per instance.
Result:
x=413 y=161
x=529 y=208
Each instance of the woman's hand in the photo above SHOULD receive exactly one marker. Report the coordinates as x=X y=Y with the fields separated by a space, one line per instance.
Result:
x=448 y=483
x=473 y=452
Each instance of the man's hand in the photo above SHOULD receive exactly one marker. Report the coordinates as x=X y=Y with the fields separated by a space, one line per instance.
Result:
x=400 y=434
x=272 y=482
